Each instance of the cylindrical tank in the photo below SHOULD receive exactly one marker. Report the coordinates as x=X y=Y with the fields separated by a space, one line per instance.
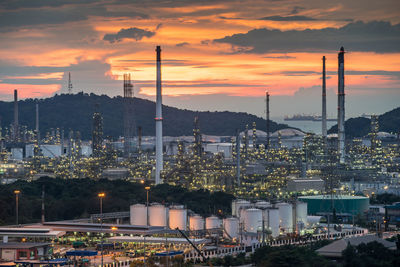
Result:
x=177 y=218
x=286 y=216
x=273 y=221
x=157 y=215
x=213 y=222
x=252 y=220
x=238 y=204
x=262 y=204
x=301 y=213
x=196 y=222
x=138 y=214
x=231 y=227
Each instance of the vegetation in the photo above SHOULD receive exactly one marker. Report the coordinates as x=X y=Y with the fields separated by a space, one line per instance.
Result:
x=80 y=108
x=77 y=198
x=358 y=127
x=373 y=254
x=384 y=199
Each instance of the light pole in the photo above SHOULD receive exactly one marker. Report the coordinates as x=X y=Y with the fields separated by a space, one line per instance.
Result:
x=101 y=196
x=16 y=192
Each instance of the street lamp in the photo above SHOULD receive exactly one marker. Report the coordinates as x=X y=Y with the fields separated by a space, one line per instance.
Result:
x=16 y=192
x=101 y=196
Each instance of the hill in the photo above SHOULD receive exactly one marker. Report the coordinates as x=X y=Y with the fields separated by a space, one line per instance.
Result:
x=75 y=112
x=358 y=127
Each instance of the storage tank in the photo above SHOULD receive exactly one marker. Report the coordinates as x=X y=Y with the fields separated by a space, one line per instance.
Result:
x=231 y=227
x=196 y=223
x=262 y=204
x=273 y=222
x=252 y=220
x=177 y=218
x=238 y=204
x=158 y=215
x=138 y=214
x=213 y=222
x=286 y=216
x=301 y=213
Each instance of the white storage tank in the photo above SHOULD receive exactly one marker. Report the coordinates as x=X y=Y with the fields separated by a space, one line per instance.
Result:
x=262 y=204
x=238 y=204
x=231 y=227
x=286 y=216
x=138 y=214
x=196 y=223
x=301 y=212
x=273 y=222
x=177 y=218
x=158 y=215
x=213 y=222
x=252 y=220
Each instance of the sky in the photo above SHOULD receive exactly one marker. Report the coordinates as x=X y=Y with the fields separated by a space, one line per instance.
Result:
x=216 y=54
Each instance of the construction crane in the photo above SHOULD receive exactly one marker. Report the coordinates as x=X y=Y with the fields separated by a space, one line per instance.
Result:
x=195 y=247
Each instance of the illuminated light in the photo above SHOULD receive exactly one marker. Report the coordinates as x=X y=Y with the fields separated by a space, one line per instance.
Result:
x=101 y=195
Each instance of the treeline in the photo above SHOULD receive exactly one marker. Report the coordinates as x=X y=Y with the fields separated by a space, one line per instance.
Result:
x=77 y=198
x=358 y=127
x=80 y=108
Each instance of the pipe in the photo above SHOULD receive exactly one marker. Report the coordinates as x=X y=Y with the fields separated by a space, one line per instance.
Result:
x=159 y=141
x=341 y=116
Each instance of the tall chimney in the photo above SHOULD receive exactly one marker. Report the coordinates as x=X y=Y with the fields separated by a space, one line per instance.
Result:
x=37 y=123
x=268 y=130
x=341 y=117
x=323 y=115
x=159 y=141
x=16 y=130
x=238 y=156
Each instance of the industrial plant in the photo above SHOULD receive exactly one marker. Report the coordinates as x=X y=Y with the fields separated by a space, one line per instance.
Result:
x=288 y=186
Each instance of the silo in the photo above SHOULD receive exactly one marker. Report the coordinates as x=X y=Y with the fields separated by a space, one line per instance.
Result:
x=196 y=223
x=286 y=216
x=231 y=227
x=301 y=213
x=157 y=215
x=239 y=204
x=177 y=218
x=252 y=220
x=273 y=222
x=138 y=214
x=213 y=222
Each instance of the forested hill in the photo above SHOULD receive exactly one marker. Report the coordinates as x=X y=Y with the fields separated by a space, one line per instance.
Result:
x=358 y=127
x=75 y=112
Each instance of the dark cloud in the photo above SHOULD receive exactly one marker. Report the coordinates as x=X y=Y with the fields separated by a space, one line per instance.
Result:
x=131 y=33
x=375 y=36
x=296 y=9
x=280 y=57
x=288 y=18
x=16 y=4
x=182 y=44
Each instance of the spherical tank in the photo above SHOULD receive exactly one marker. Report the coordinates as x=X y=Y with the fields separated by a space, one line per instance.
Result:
x=213 y=222
x=286 y=216
x=252 y=220
x=301 y=212
x=273 y=222
x=196 y=222
x=177 y=218
x=138 y=214
x=157 y=215
x=231 y=227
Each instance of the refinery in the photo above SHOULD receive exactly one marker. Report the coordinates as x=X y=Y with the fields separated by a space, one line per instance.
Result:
x=288 y=186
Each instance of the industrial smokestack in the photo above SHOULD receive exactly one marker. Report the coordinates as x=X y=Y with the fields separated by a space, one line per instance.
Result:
x=159 y=141
x=267 y=111
x=37 y=123
x=16 y=130
x=323 y=115
x=238 y=156
x=341 y=117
